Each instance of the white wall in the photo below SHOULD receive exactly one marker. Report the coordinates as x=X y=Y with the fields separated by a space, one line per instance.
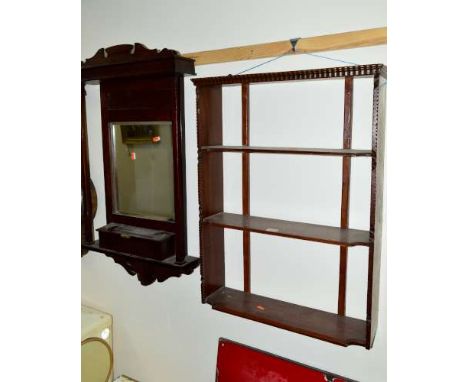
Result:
x=163 y=332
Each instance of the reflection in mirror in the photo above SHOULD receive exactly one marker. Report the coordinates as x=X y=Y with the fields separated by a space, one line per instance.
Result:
x=142 y=170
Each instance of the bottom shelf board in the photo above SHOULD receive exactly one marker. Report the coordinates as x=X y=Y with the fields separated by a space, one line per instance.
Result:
x=330 y=327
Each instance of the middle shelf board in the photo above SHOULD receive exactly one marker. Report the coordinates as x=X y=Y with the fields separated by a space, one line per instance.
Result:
x=305 y=231
x=289 y=150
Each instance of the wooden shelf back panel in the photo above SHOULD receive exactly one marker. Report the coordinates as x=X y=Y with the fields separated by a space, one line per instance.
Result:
x=340 y=330
x=304 y=231
x=289 y=150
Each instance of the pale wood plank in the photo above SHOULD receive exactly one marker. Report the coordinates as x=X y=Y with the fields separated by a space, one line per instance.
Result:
x=346 y=40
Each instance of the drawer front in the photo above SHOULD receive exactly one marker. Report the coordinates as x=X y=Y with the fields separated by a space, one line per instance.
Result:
x=159 y=249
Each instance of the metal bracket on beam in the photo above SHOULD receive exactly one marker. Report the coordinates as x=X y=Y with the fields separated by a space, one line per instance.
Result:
x=293 y=42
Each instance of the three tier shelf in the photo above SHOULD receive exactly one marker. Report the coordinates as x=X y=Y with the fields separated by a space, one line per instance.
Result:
x=335 y=328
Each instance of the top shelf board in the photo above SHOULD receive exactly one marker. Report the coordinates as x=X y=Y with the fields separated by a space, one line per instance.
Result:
x=298 y=75
x=289 y=150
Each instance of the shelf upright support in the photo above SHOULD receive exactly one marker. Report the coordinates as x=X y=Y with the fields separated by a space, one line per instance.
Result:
x=210 y=187
x=376 y=208
x=345 y=188
x=246 y=182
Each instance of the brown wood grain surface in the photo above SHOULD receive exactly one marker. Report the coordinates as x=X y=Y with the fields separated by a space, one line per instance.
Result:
x=316 y=323
x=297 y=230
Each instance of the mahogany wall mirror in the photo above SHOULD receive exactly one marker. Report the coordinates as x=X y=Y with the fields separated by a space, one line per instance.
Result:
x=142 y=113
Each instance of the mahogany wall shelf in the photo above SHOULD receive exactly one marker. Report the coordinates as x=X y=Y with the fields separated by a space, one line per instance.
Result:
x=336 y=328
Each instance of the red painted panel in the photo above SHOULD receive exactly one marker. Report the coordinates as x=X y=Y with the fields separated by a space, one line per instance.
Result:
x=240 y=363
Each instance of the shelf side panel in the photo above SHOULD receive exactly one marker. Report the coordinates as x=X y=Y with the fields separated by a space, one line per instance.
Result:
x=210 y=187
x=377 y=199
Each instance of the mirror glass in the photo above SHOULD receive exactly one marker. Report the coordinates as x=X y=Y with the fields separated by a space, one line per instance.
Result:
x=142 y=169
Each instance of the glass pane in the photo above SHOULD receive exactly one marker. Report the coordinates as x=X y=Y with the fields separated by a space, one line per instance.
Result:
x=143 y=182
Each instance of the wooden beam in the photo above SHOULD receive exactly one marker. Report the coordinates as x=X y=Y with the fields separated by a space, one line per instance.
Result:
x=347 y=40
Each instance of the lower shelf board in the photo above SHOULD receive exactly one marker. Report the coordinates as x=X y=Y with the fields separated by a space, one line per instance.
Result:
x=330 y=327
